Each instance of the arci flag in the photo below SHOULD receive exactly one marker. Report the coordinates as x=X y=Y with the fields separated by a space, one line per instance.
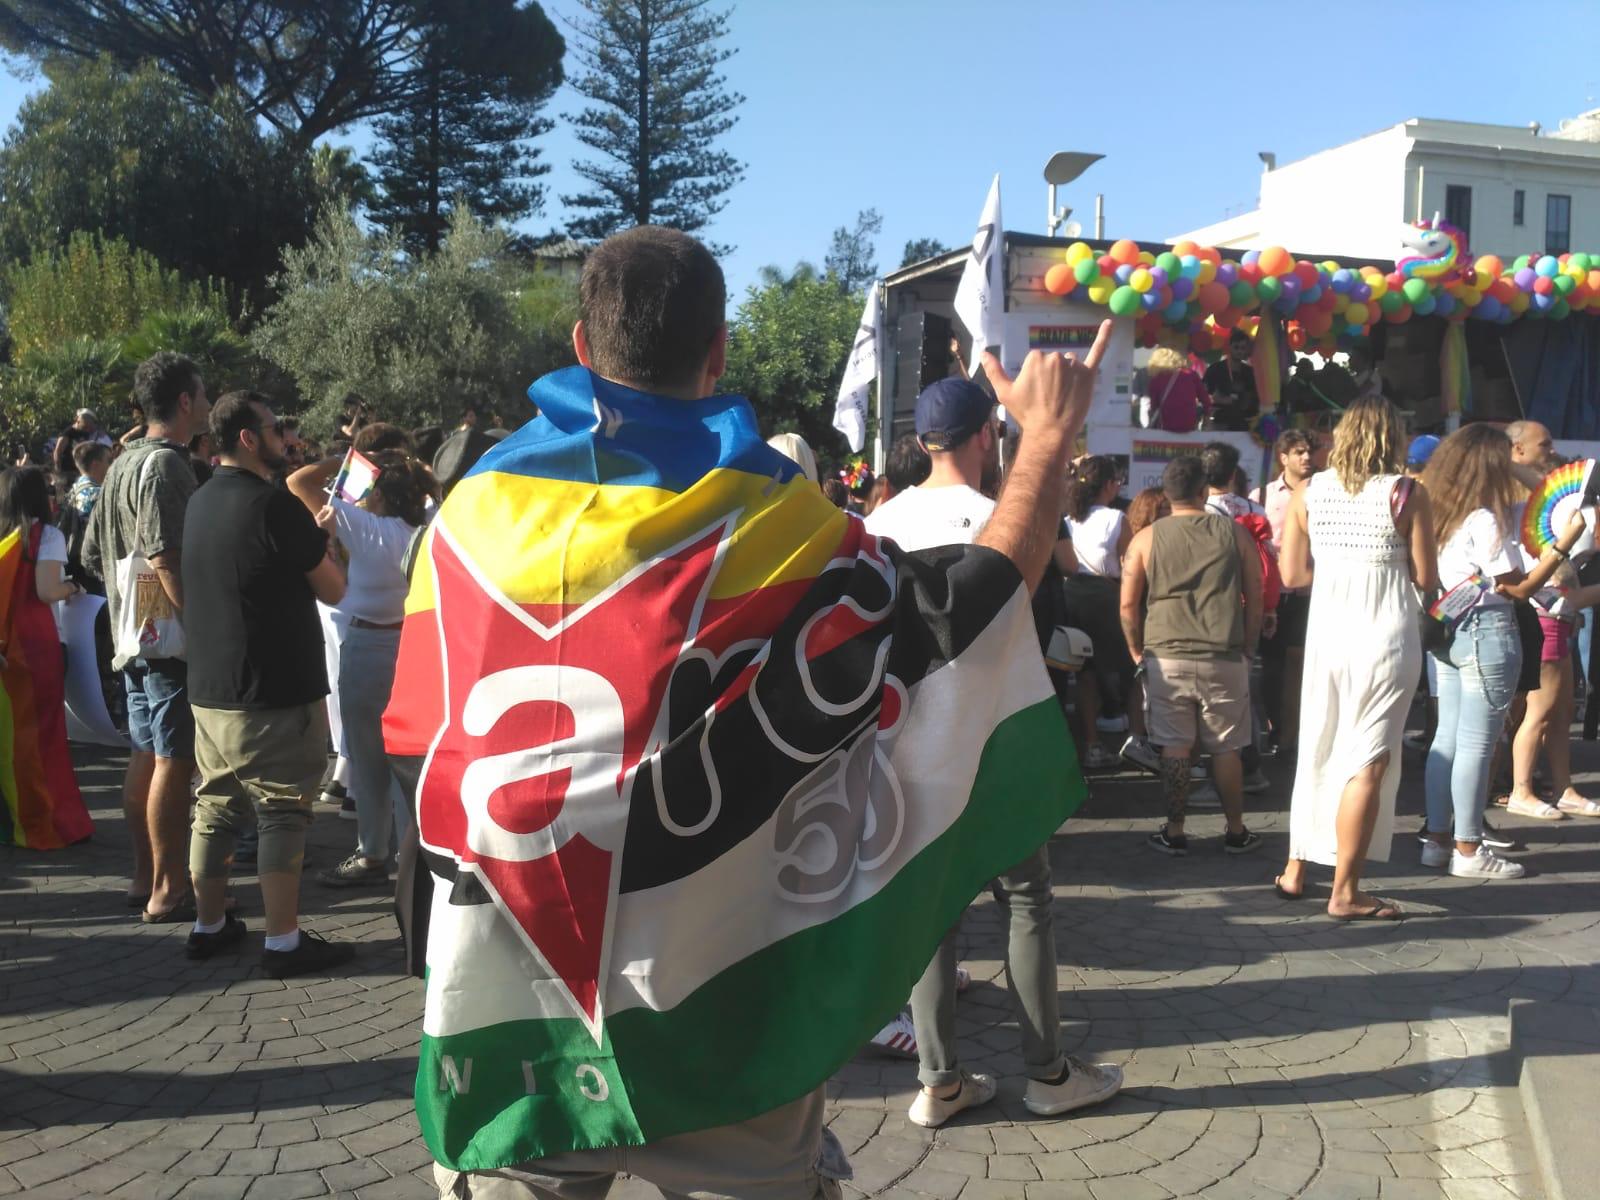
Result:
x=850 y=411
x=981 y=294
x=708 y=773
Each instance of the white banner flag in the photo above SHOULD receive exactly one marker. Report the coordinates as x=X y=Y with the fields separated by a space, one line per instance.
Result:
x=980 y=297
x=850 y=410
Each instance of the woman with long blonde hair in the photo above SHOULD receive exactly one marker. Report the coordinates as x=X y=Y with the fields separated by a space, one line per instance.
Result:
x=1179 y=401
x=1370 y=536
x=1475 y=498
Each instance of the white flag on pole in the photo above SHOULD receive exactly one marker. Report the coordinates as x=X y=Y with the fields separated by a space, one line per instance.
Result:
x=850 y=410
x=980 y=296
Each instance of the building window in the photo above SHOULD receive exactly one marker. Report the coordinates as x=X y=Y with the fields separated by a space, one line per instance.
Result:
x=1557 y=224
x=1517 y=198
x=1458 y=207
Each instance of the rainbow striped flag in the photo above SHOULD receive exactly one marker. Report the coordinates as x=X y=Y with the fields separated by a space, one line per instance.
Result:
x=41 y=807
x=709 y=771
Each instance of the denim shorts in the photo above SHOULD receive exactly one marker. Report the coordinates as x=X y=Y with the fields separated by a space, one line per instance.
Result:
x=159 y=720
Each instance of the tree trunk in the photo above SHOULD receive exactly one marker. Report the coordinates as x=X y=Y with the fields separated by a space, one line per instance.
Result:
x=435 y=151
x=644 y=201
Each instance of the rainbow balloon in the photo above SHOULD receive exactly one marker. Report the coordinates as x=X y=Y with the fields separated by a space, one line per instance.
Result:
x=1552 y=503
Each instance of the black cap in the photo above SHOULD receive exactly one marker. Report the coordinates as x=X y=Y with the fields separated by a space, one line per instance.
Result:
x=458 y=454
x=950 y=411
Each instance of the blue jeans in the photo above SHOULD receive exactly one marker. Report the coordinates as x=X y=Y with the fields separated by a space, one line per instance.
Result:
x=1476 y=686
x=159 y=720
x=366 y=676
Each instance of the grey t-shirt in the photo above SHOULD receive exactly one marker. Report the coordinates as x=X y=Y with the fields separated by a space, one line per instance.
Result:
x=138 y=508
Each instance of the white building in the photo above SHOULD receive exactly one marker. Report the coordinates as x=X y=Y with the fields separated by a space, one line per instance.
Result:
x=1513 y=189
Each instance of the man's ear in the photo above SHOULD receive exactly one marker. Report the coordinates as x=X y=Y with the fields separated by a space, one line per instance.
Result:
x=717 y=360
x=580 y=344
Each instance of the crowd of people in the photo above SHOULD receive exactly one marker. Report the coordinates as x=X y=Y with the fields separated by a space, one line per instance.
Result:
x=252 y=623
x=255 y=611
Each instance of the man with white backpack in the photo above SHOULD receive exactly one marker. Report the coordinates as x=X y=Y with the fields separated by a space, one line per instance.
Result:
x=134 y=543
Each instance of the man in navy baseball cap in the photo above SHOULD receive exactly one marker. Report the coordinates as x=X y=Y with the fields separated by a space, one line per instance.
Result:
x=949 y=411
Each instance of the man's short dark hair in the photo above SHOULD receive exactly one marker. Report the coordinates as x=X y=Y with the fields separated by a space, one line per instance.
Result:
x=908 y=463
x=651 y=300
x=86 y=454
x=1184 y=480
x=232 y=415
x=160 y=380
x=1220 y=460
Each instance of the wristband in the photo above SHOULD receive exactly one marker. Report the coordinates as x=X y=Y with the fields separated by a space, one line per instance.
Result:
x=1558 y=550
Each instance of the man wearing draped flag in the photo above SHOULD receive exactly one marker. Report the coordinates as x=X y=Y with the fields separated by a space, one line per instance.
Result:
x=705 y=770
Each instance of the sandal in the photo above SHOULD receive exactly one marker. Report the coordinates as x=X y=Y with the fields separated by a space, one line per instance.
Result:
x=1283 y=893
x=137 y=902
x=1532 y=806
x=184 y=910
x=1579 y=806
x=1383 y=910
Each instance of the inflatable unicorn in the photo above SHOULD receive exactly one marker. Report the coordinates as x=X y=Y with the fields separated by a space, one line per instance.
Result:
x=1437 y=251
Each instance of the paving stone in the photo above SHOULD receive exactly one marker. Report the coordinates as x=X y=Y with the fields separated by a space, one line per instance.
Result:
x=1259 y=1040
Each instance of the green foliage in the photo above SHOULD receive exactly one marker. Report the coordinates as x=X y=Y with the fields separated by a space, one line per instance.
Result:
x=852 y=260
x=918 y=249
x=462 y=135
x=305 y=69
x=650 y=68
x=131 y=156
x=224 y=358
x=40 y=397
x=95 y=288
x=416 y=337
x=787 y=347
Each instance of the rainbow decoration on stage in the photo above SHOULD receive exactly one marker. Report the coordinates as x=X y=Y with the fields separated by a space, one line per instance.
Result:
x=1551 y=505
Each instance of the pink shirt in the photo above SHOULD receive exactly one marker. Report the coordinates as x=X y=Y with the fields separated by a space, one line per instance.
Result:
x=1179 y=399
x=1275 y=499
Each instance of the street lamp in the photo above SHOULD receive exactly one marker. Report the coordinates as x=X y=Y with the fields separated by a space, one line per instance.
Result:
x=1064 y=166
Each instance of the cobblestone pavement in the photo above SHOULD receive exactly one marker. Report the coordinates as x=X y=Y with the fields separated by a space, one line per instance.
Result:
x=1269 y=1052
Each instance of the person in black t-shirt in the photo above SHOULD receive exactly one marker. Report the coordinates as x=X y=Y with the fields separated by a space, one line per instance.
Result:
x=254 y=565
x=1232 y=384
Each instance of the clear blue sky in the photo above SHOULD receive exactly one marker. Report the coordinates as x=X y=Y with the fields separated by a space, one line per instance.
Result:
x=910 y=106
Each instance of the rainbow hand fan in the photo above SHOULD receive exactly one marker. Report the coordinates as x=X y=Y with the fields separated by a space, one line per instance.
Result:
x=1551 y=505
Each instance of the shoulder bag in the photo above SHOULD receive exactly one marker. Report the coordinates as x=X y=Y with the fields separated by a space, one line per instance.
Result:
x=148 y=626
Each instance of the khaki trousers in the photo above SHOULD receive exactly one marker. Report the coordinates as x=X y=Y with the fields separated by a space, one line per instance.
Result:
x=785 y=1154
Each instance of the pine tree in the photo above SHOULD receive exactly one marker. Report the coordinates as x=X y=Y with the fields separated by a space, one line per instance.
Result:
x=651 y=69
x=463 y=135
x=852 y=260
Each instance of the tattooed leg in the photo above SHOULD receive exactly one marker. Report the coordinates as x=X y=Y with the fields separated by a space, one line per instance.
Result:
x=1175 y=785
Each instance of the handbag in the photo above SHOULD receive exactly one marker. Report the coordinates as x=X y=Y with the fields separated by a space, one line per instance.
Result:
x=148 y=625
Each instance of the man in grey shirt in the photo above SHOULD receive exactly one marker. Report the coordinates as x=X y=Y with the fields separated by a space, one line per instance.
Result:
x=141 y=508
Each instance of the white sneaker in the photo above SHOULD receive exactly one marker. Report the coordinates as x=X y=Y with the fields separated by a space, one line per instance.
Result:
x=1204 y=795
x=1435 y=855
x=1097 y=758
x=931 y=1111
x=1485 y=864
x=898 y=1037
x=1142 y=754
x=1085 y=1084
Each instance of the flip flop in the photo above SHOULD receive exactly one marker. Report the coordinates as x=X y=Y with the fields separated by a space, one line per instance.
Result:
x=1376 y=913
x=1277 y=886
x=184 y=910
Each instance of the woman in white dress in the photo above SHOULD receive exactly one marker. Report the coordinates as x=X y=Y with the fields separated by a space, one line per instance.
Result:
x=1371 y=540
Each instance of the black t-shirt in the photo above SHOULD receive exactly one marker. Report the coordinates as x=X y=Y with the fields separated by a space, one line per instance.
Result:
x=249 y=615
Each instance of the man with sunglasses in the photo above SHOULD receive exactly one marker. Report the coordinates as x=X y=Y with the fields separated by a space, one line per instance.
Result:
x=254 y=565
